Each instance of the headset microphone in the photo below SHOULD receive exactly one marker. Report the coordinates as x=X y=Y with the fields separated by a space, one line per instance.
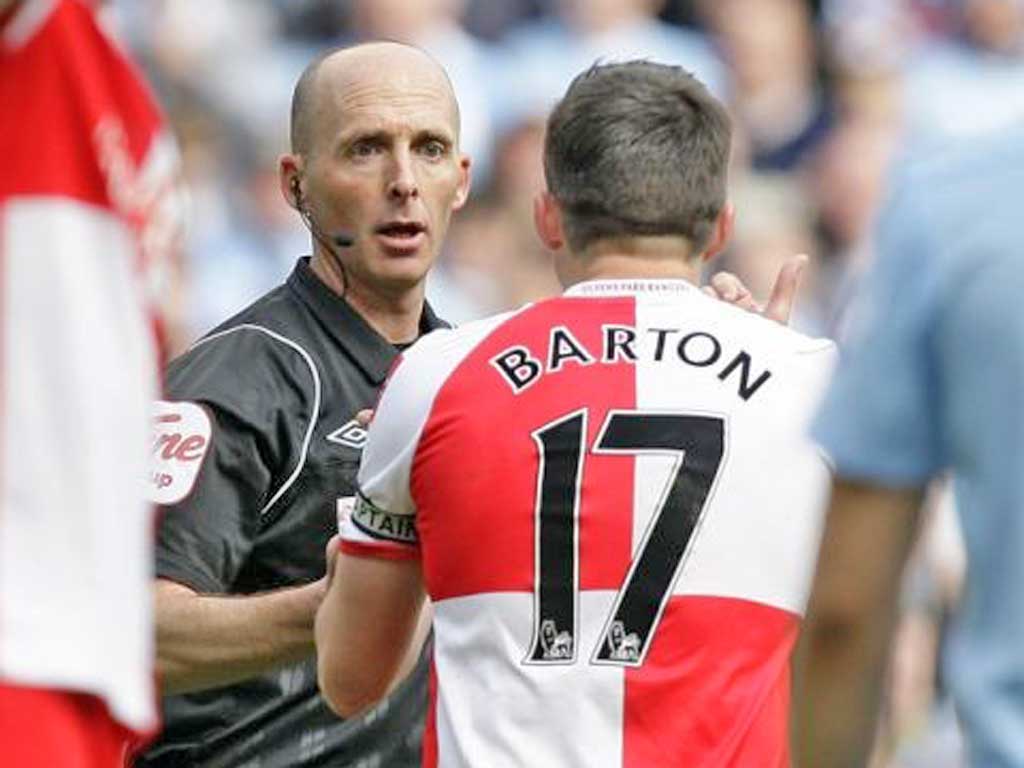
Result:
x=338 y=239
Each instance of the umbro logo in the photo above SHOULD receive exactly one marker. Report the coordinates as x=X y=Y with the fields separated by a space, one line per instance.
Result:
x=350 y=434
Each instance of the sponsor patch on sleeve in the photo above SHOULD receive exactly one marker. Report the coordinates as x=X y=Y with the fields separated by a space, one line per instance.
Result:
x=378 y=524
x=181 y=438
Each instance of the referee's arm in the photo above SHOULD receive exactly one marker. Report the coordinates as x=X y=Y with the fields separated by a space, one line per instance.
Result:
x=206 y=641
x=205 y=636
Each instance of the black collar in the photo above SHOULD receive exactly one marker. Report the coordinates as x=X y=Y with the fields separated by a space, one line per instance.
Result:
x=370 y=351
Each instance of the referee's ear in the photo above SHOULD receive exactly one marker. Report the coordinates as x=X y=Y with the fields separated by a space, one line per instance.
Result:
x=465 y=182
x=547 y=220
x=289 y=179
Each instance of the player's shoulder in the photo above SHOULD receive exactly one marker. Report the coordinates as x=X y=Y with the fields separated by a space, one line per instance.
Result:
x=422 y=373
x=765 y=334
x=806 y=362
x=424 y=367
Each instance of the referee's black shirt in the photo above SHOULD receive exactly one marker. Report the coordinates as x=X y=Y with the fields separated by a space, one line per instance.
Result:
x=280 y=382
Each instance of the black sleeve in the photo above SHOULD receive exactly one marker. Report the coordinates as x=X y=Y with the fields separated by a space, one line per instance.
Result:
x=256 y=392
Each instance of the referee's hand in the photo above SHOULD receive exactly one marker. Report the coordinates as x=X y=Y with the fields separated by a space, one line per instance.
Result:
x=725 y=286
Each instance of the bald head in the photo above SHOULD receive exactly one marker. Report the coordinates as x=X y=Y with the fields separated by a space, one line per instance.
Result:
x=340 y=70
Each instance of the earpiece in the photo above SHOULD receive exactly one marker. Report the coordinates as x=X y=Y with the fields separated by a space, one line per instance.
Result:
x=338 y=239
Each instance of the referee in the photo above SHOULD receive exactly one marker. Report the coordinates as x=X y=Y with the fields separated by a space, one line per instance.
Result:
x=256 y=442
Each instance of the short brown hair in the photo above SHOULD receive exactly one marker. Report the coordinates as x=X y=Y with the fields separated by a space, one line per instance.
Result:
x=637 y=148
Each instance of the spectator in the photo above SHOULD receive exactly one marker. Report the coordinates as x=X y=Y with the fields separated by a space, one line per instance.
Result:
x=541 y=57
x=781 y=110
x=970 y=84
x=846 y=179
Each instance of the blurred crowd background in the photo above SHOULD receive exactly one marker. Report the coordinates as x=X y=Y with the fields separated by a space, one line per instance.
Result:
x=829 y=97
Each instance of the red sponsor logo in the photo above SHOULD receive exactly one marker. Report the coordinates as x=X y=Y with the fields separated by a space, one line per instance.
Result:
x=173 y=445
x=181 y=439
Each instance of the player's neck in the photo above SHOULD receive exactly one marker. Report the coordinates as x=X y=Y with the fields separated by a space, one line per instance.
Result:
x=395 y=315
x=652 y=258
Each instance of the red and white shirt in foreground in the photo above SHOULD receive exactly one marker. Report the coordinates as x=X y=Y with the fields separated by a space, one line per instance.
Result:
x=88 y=200
x=617 y=513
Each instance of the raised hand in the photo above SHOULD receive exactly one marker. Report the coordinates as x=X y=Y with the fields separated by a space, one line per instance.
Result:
x=725 y=286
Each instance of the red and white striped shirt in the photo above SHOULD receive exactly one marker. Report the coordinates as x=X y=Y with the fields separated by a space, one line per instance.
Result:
x=617 y=513
x=88 y=200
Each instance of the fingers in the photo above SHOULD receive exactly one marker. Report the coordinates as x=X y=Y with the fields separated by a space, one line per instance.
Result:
x=729 y=288
x=787 y=284
x=364 y=417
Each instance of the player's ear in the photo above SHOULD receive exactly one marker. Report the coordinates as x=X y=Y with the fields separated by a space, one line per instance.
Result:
x=289 y=179
x=547 y=219
x=723 y=232
x=465 y=182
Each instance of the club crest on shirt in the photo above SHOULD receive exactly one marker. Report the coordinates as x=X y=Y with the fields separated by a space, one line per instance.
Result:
x=351 y=434
x=181 y=438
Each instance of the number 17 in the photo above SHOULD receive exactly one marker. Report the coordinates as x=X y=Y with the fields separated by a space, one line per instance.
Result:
x=698 y=444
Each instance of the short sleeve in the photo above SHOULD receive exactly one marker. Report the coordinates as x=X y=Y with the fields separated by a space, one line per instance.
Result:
x=207 y=528
x=224 y=443
x=878 y=421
